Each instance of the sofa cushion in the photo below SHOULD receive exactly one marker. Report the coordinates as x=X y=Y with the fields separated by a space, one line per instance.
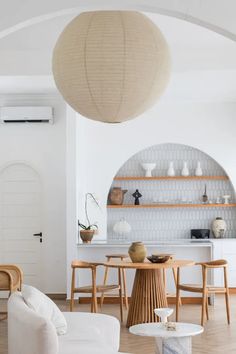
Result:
x=85 y=347
x=91 y=327
x=45 y=307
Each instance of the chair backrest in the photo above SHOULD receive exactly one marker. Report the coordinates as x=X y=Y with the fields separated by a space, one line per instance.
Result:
x=28 y=332
x=82 y=264
x=11 y=277
x=218 y=263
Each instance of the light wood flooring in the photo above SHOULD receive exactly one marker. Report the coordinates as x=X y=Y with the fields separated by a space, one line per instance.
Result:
x=218 y=337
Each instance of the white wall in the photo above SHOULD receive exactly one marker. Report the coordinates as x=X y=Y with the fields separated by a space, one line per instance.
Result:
x=103 y=148
x=43 y=146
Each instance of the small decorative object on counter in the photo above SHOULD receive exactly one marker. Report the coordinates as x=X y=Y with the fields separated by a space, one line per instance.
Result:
x=198 y=171
x=219 y=227
x=171 y=170
x=136 y=196
x=148 y=167
x=170 y=326
x=204 y=196
x=122 y=228
x=137 y=252
x=226 y=198
x=116 y=196
x=87 y=231
x=185 y=170
x=218 y=200
x=200 y=233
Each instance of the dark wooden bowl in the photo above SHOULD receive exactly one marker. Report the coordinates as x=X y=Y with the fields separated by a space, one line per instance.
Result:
x=159 y=258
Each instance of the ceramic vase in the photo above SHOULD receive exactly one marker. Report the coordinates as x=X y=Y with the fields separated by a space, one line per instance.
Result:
x=137 y=252
x=148 y=167
x=163 y=313
x=198 y=171
x=185 y=170
x=116 y=196
x=171 y=171
x=219 y=227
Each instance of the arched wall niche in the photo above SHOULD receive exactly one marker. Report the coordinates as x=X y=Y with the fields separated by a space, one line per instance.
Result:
x=149 y=224
x=44 y=11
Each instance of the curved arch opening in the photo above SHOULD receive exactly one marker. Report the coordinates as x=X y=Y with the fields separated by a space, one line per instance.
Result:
x=171 y=206
x=144 y=7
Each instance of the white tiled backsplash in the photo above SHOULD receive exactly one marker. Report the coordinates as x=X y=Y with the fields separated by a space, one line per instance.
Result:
x=171 y=223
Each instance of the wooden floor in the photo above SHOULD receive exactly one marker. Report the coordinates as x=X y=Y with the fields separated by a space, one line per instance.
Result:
x=218 y=338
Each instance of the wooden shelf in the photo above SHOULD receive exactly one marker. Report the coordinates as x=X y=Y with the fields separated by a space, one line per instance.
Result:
x=156 y=178
x=172 y=206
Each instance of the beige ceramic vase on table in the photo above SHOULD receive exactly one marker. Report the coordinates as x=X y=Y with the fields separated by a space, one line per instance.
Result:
x=137 y=252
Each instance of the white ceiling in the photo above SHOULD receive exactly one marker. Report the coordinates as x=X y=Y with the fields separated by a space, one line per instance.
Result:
x=203 y=62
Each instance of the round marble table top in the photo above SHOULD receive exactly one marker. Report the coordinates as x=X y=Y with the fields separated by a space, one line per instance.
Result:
x=158 y=330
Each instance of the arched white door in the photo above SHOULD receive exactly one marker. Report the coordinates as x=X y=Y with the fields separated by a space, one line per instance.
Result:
x=20 y=219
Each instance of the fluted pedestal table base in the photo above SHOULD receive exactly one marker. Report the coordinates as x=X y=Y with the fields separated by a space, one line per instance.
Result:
x=148 y=294
x=169 y=342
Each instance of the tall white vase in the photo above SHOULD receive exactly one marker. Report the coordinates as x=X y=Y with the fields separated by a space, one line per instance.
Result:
x=185 y=170
x=198 y=171
x=171 y=170
x=219 y=227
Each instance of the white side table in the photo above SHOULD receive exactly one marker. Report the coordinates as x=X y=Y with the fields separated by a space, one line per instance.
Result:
x=169 y=342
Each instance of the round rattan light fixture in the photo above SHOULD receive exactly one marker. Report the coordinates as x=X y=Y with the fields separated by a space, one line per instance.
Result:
x=111 y=66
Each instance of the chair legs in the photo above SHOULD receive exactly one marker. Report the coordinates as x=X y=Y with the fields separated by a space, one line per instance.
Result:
x=177 y=296
x=104 y=283
x=125 y=288
x=72 y=290
x=226 y=295
x=204 y=300
x=123 y=277
x=174 y=271
x=120 y=294
x=207 y=310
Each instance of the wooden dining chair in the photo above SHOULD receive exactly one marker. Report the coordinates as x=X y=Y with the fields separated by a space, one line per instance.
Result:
x=11 y=278
x=121 y=257
x=93 y=289
x=206 y=289
x=174 y=273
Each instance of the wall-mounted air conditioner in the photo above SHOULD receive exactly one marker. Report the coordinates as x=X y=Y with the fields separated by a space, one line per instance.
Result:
x=26 y=114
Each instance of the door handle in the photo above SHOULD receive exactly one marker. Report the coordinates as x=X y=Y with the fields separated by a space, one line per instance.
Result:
x=40 y=235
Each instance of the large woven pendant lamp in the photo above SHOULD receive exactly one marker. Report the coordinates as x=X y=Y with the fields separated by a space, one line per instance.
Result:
x=111 y=66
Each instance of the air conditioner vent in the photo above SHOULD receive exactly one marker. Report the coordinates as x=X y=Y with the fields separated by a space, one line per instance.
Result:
x=26 y=114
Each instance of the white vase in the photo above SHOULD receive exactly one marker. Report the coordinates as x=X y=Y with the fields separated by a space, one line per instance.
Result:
x=122 y=227
x=148 y=167
x=218 y=227
x=198 y=171
x=163 y=313
x=171 y=170
x=185 y=170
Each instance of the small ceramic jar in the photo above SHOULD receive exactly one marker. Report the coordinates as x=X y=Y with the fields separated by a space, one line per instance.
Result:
x=137 y=252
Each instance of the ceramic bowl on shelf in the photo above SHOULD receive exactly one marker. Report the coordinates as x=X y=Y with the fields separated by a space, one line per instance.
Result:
x=148 y=167
x=159 y=258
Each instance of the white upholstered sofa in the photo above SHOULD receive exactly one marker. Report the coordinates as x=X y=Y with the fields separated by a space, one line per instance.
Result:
x=31 y=333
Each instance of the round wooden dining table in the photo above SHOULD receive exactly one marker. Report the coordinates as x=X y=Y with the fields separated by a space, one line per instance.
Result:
x=148 y=290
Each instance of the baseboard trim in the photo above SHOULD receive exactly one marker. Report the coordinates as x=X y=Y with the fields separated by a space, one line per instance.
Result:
x=57 y=296
x=115 y=300
x=232 y=290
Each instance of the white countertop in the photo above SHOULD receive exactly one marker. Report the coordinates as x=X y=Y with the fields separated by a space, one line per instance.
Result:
x=161 y=243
